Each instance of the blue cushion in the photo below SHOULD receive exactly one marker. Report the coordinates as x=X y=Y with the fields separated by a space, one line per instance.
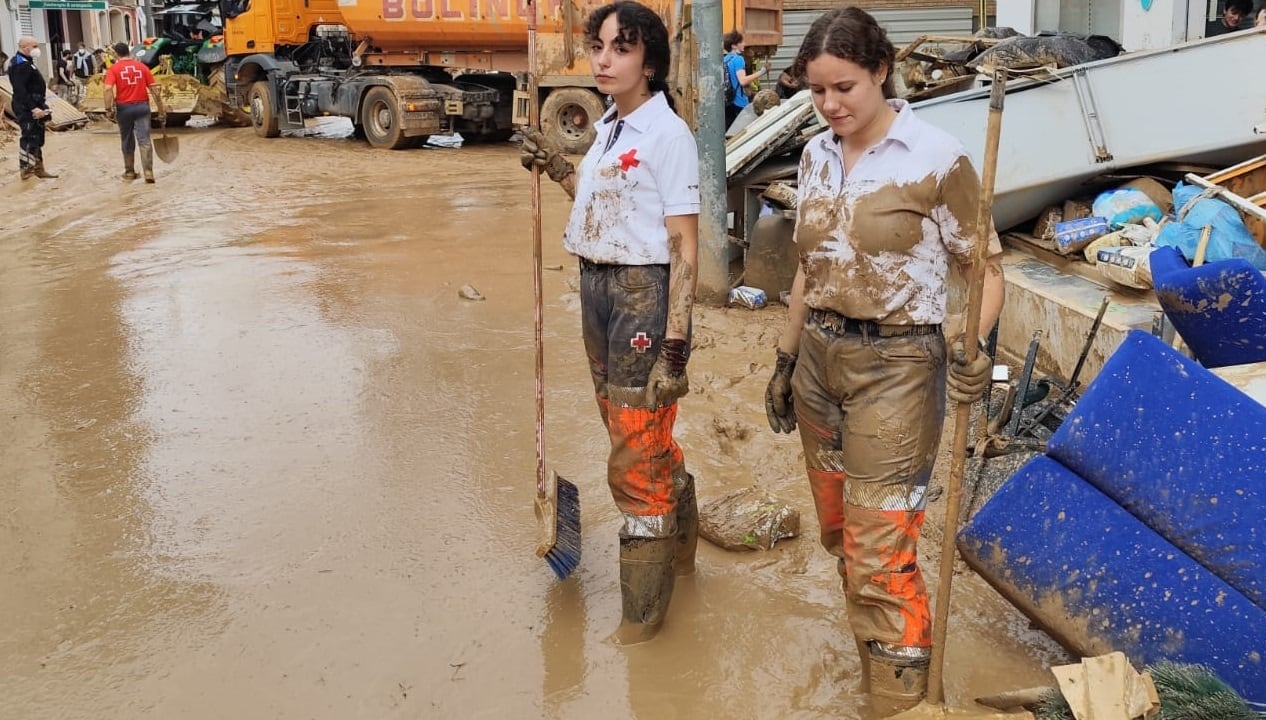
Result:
x=1099 y=580
x=1218 y=308
x=1181 y=450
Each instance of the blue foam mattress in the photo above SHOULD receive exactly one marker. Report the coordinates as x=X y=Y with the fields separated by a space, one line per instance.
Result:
x=1099 y=580
x=1181 y=450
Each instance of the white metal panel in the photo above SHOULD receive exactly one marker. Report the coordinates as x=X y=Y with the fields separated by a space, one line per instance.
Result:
x=1046 y=152
x=903 y=26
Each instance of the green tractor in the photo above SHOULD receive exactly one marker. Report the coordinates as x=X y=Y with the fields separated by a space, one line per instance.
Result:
x=187 y=60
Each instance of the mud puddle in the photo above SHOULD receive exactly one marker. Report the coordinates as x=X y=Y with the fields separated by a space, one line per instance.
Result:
x=262 y=461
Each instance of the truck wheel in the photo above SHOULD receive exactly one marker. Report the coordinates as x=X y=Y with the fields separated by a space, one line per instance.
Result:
x=263 y=111
x=380 y=117
x=568 y=116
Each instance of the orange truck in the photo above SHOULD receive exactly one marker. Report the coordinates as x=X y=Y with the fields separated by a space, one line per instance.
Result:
x=403 y=70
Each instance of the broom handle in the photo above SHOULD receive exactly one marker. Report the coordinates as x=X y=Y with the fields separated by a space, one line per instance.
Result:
x=975 y=297
x=534 y=121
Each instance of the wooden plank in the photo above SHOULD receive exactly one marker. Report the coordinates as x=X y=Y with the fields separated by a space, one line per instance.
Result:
x=65 y=115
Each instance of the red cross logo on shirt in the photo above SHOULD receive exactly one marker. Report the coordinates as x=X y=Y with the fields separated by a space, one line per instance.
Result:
x=640 y=343
x=629 y=160
x=131 y=74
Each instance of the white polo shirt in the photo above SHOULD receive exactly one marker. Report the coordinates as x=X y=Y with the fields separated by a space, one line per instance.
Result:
x=875 y=244
x=640 y=170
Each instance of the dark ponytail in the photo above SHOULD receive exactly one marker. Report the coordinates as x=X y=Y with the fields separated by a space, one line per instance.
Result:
x=657 y=85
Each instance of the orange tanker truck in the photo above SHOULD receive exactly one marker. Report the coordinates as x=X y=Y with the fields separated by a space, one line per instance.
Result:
x=403 y=70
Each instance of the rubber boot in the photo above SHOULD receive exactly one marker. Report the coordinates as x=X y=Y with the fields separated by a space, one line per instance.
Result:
x=897 y=681
x=147 y=164
x=646 y=586
x=26 y=172
x=129 y=167
x=863 y=659
x=39 y=171
x=687 y=528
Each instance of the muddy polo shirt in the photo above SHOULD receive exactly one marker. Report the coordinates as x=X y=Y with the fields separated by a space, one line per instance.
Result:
x=640 y=170
x=875 y=244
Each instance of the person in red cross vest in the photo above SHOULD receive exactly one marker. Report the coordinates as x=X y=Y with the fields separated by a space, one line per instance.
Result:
x=129 y=87
x=634 y=227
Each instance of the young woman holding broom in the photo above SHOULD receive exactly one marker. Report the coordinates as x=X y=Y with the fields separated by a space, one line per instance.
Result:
x=887 y=202
x=634 y=228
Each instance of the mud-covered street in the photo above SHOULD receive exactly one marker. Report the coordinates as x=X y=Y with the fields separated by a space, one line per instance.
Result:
x=260 y=460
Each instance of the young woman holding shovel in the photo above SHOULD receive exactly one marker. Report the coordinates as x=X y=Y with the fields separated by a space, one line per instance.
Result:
x=887 y=202
x=634 y=228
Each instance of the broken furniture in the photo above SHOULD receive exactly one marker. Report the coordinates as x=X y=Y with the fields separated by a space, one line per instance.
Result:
x=1140 y=528
x=1218 y=308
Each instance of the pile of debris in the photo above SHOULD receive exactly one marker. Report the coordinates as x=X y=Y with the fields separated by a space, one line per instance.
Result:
x=1109 y=236
x=935 y=65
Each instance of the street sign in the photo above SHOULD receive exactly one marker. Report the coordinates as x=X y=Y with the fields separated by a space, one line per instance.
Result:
x=68 y=4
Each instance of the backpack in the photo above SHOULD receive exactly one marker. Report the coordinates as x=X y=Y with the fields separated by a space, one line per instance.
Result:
x=731 y=82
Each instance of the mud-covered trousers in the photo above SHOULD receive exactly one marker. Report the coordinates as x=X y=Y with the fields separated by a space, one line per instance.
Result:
x=133 y=126
x=870 y=409
x=624 y=310
x=30 y=143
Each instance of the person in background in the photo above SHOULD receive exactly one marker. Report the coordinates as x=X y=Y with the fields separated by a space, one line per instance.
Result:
x=1233 y=13
x=787 y=84
x=887 y=205
x=63 y=77
x=737 y=79
x=85 y=66
x=30 y=107
x=634 y=229
x=1260 y=21
x=4 y=62
x=129 y=86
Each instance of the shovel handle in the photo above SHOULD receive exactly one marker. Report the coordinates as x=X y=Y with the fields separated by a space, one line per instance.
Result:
x=975 y=298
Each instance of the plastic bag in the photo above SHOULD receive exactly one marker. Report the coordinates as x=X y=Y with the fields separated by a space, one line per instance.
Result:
x=1073 y=235
x=1229 y=239
x=1125 y=206
x=747 y=519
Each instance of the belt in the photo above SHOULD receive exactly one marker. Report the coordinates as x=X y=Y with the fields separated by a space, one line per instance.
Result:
x=841 y=325
x=587 y=264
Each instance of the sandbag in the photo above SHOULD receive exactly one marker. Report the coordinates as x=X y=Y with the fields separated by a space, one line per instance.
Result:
x=747 y=519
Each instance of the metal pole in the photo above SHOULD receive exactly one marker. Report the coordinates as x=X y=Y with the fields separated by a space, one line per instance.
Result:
x=714 y=280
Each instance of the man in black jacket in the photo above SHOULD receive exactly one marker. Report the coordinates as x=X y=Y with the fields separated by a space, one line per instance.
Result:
x=30 y=108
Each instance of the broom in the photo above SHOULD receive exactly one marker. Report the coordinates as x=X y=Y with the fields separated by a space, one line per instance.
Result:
x=1187 y=692
x=557 y=503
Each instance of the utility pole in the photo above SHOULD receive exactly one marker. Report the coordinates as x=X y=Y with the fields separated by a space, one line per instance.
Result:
x=714 y=280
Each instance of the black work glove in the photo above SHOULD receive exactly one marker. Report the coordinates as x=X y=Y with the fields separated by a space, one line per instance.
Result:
x=967 y=382
x=538 y=150
x=111 y=114
x=780 y=408
x=667 y=381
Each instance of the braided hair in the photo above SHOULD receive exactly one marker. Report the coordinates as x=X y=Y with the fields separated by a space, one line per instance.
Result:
x=638 y=25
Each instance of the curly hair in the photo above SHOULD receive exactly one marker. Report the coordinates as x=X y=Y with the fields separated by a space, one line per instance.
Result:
x=638 y=25
x=850 y=34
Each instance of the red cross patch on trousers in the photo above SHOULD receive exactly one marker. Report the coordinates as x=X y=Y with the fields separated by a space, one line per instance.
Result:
x=640 y=343
x=629 y=160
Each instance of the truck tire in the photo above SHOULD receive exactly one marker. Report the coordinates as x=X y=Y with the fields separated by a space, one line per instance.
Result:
x=263 y=110
x=380 y=117
x=568 y=116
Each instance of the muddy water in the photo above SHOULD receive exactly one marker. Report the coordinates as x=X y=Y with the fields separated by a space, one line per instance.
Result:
x=261 y=461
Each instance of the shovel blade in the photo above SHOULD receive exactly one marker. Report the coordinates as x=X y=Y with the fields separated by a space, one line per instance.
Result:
x=167 y=149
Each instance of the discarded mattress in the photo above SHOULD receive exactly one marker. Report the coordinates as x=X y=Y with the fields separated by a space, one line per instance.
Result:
x=1219 y=308
x=1098 y=580
x=1138 y=530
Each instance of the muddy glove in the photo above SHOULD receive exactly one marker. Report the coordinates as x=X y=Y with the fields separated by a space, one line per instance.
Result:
x=667 y=381
x=966 y=383
x=162 y=117
x=111 y=114
x=540 y=151
x=780 y=409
